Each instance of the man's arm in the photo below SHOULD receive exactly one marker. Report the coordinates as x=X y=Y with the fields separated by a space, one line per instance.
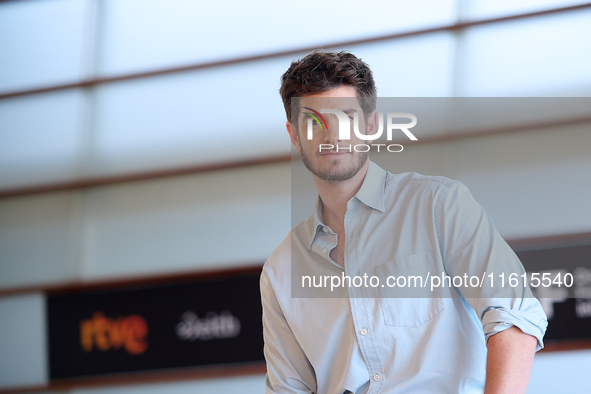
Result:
x=513 y=321
x=509 y=361
x=288 y=369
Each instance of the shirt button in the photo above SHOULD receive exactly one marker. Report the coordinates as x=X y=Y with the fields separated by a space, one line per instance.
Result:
x=376 y=377
x=363 y=331
x=323 y=251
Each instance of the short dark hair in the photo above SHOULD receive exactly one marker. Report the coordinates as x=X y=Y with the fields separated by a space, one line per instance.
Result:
x=323 y=70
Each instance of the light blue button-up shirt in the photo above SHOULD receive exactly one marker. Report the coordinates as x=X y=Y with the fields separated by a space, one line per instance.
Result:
x=367 y=340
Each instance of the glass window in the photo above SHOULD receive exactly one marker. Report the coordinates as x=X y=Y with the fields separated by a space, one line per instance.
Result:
x=483 y=9
x=541 y=56
x=147 y=34
x=23 y=347
x=39 y=138
x=411 y=67
x=187 y=223
x=36 y=239
x=215 y=115
x=41 y=42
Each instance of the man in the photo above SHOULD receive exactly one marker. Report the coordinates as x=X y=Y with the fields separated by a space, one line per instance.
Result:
x=368 y=339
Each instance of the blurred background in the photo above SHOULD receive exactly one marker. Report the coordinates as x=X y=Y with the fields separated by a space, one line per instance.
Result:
x=147 y=137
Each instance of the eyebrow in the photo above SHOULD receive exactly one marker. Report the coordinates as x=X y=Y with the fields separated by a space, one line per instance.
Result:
x=348 y=111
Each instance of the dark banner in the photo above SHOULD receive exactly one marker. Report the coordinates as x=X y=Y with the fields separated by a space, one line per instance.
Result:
x=565 y=292
x=217 y=321
x=199 y=323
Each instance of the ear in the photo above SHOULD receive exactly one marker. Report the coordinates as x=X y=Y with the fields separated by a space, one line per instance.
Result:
x=293 y=135
x=372 y=123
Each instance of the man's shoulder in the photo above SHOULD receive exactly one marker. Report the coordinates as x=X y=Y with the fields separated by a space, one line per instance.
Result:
x=427 y=190
x=416 y=180
x=279 y=260
x=280 y=254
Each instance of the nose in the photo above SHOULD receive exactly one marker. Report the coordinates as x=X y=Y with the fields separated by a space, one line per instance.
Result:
x=331 y=134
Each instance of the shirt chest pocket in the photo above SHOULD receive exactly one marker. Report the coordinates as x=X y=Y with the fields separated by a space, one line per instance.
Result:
x=406 y=298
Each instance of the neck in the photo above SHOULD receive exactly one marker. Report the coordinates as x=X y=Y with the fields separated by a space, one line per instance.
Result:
x=335 y=195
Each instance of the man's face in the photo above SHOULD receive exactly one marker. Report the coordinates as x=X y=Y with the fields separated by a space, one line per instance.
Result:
x=330 y=164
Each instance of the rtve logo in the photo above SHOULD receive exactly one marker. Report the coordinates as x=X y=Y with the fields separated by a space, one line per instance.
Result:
x=345 y=129
x=107 y=333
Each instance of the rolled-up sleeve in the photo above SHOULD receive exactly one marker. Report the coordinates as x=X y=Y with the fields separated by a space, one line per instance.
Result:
x=288 y=369
x=529 y=318
x=470 y=245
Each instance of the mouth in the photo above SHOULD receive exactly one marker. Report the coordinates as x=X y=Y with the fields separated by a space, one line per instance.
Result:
x=333 y=154
x=336 y=152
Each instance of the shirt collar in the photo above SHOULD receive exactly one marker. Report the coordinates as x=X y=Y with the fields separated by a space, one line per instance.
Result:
x=371 y=194
x=318 y=226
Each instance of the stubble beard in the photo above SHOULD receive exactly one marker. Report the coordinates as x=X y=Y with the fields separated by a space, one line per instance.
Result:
x=336 y=175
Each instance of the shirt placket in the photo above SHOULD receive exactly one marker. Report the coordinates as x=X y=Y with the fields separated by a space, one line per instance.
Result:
x=360 y=308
